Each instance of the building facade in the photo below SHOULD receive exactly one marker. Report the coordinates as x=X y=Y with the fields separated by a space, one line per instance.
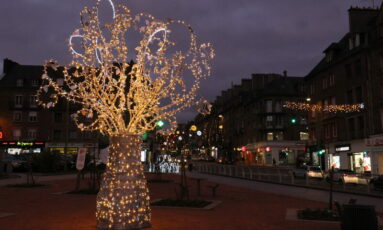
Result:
x=249 y=124
x=350 y=73
x=23 y=123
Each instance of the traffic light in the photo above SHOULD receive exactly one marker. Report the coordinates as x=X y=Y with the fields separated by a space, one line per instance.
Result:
x=145 y=136
x=293 y=120
x=160 y=124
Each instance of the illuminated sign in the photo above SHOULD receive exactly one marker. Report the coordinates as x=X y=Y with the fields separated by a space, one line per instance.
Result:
x=23 y=144
x=342 y=148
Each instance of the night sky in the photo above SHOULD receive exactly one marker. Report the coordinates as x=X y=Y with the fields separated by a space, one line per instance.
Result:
x=249 y=36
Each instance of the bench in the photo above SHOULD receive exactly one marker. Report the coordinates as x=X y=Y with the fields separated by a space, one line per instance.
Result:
x=213 y=189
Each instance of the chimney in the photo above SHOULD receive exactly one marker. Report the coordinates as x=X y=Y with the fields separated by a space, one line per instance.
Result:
x=284 y=73
x=8 y=65
x=360 y=17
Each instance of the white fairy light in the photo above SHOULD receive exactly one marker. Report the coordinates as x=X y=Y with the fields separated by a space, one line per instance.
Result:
x=124 y=100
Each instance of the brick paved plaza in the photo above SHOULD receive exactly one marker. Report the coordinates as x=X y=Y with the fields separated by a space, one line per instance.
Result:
x=45 y=209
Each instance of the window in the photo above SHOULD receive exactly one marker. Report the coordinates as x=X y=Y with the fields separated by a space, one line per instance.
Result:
x=270 y=136
x=361 y=126
x=357 y=40
x=313 y=134
x=32 y=101
x=73 y=135
x=351 y=43
x=358 y=94
x=18 y=101
x=329 y=56
x=381 y=61
x=58 y=117
x=278 y=107
x=350 y=97
x=17 y=116
x=348 y=71
x=32 y=116
x=312 y=89
x=269 y=118
x=57 y=134
x=325 y=103
x=334 y=130
x=331 y=79
x=327 y=131
x=313 y=114
x=279 y=136
x=32 y=134
x=303 y=136
x=358 y=67
x=35 y=83
x=351 y=128
x=324 y=83
x=303 y=121
x=381 y=118
x=19 y=82
x=269 y=106
x=16 y=134
x=279 y=121
x=333 y=100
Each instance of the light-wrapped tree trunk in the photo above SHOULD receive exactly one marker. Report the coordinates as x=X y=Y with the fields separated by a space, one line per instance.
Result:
x=123 y=201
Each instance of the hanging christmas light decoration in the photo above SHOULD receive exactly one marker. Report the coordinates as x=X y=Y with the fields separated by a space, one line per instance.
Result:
x=204 y=107
x=124 y=99
x=345 y=108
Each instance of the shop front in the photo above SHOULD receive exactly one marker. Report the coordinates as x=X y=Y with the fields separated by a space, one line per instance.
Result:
x=22 y=147
x=375 y=147
x=275 y=152
x=71 y=148
x=353 y=156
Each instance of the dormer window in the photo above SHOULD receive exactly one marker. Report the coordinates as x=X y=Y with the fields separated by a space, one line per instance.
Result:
x=329 y=56
x=19 y=83
x=351 y=43
x=35 y=83
x=357 y=40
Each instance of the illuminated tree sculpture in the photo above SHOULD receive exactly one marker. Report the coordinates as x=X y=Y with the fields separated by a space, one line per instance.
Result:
x=124 y=99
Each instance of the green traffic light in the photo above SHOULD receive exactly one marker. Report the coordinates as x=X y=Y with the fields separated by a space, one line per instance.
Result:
x=160 y=124
x=293 y=120
x=145 y=136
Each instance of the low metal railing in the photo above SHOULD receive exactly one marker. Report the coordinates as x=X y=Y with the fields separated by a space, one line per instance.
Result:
x=283 y=175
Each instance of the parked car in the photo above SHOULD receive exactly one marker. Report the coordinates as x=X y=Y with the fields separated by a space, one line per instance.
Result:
x=19 y=162
x=377 y=182
x=308 y=171
x=346 y=176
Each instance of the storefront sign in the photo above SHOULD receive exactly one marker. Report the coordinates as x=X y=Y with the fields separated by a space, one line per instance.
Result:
x=374 y=141
x=70 y=145
x=342 y=148
x=22 y=144
x=80 y=158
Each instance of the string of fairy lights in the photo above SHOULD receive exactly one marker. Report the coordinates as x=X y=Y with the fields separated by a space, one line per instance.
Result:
x=123 y=99
x=343 y=108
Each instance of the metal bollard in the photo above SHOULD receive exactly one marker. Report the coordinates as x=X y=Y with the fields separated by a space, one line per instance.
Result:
x=292 y=177
x=279 y=176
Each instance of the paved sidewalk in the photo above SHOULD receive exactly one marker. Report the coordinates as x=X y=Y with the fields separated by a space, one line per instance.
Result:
x=38 y=178
x=299 y=192
x=46 y=208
